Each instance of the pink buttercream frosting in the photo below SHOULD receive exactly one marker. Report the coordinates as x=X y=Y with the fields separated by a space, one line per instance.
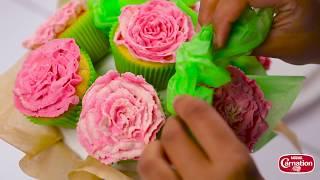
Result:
x=45 y=85
x=242 y=104
x=121 y=114
x=56 y=24
x=154 y=31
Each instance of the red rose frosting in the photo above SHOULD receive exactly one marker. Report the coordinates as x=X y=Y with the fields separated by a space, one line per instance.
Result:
x=154 y=31
x=265 y=61
x=241 y=103
x=56 y=24
x=45 y=86
x=120 y=115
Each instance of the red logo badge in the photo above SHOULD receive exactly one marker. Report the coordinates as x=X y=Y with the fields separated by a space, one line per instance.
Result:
x=296 y=163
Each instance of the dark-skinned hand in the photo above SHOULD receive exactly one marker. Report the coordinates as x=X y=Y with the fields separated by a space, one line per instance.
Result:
x=295 y=34
x=216 y=153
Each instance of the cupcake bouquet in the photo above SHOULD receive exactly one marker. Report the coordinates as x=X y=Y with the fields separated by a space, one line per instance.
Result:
x=155 y=50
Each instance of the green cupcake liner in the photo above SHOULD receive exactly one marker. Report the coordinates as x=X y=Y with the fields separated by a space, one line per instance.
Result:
x=88 y=37
x=157 y=74
x=67 y=120
x=70 y=118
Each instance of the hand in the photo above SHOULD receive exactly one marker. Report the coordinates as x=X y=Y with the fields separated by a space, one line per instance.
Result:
x=295 y=34
x=216 y=153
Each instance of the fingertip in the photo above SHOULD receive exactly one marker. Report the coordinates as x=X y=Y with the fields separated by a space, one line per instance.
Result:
x=170 y=131
x=218 y=43
x=148 y=156
x=228 y=11
x=180 y=101
x=221 y=35
x=214 y=39
x=205 y=13
x=203 y=20
x=153 y=148
x=198 y=27
x=177 y=100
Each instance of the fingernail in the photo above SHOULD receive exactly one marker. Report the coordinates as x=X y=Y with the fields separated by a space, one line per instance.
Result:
x=198 y=28
x=217 y=43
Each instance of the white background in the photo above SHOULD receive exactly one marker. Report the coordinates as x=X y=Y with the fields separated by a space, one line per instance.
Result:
x=19 y=18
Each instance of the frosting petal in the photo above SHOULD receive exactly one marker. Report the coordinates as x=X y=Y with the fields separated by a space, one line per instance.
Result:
x=45 y=86
x=120 y=115
x=153 y=31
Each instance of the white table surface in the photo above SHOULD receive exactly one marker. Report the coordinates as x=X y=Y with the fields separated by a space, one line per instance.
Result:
x=19 y=18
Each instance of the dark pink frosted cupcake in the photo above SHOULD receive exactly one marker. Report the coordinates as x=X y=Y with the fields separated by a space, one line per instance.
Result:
x=242 y=104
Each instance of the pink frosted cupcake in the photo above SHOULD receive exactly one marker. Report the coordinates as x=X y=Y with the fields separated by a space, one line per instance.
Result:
x=147 y=37
x=72 y=20
x=242 y=104
x=51 y=82
x=121 y=114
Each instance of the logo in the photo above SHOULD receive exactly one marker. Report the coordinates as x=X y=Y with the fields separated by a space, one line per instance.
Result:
x=296 y=163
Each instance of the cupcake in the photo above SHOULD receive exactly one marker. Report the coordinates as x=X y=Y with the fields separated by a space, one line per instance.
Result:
x=72 y=20
x=242 y=104
x=51 y=82
x=147 y=37
x=121 y=114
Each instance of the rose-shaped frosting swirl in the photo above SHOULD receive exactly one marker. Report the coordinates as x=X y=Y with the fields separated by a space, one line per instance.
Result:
x=153 y=31
x=241 y=103
x=120 y=115
x=45 y=86
x=56 y=24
